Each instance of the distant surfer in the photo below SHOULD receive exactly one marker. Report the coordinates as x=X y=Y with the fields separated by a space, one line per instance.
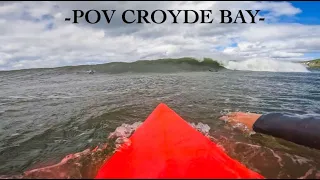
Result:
x=300 y=129
x=91 y=72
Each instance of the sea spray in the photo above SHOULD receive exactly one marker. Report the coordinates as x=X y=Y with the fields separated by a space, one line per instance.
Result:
x=203 y=128
x=265 y=64
x=123 y=132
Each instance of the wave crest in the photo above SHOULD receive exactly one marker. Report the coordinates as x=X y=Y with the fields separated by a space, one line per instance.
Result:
x=265 y=65
x=185 y=64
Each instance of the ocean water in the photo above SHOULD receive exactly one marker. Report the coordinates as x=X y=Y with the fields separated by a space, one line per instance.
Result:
x=50 y=113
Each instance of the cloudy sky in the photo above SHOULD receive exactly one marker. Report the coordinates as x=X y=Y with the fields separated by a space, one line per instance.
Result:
x=35 y=34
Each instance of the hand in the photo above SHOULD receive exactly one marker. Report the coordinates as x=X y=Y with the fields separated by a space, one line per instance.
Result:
x=248 y=119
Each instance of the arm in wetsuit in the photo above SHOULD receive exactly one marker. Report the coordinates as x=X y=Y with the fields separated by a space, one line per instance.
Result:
x=300 y=129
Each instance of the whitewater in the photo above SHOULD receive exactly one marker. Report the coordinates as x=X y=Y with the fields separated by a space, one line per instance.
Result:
x=268 y=65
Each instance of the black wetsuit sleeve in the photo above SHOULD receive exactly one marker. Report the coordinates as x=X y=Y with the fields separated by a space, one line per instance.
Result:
x=300 y=129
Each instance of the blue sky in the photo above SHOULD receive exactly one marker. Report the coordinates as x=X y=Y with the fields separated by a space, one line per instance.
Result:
x=310 y=12
x=310 y=16
x=34 y=34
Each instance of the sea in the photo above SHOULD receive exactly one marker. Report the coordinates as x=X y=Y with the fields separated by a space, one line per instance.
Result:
x=47 y=114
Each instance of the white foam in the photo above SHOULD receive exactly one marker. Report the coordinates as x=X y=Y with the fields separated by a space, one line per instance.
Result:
x=123 y=132
x=203 y=128
x=265 y=64
x=126 y=130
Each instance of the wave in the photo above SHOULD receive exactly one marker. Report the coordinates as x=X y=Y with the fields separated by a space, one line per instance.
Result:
x=265 y=65
x=185 y=64
x=188 y=64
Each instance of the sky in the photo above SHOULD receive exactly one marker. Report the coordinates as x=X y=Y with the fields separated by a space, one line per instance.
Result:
x=36 y=35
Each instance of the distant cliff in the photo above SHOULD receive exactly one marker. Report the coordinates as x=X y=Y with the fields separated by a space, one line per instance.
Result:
x=312 y=64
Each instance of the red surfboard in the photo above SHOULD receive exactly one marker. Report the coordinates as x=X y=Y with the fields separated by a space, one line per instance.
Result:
x=166 y=146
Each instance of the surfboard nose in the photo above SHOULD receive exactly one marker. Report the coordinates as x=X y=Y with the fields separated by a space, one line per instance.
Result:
x=166 y=146
x=162 y=106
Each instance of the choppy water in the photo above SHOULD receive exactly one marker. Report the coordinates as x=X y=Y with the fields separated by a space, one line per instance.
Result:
x=47 y=114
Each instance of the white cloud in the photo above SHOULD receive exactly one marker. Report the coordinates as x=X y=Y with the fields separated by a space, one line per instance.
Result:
x=9 y=8
x=34 y=34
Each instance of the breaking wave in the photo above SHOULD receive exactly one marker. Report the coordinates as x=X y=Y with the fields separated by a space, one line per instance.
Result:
x=265 y=65
x=186 y=64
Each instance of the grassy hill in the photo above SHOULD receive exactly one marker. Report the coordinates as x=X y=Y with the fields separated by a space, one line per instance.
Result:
x=312 y=63
x=184 y=64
